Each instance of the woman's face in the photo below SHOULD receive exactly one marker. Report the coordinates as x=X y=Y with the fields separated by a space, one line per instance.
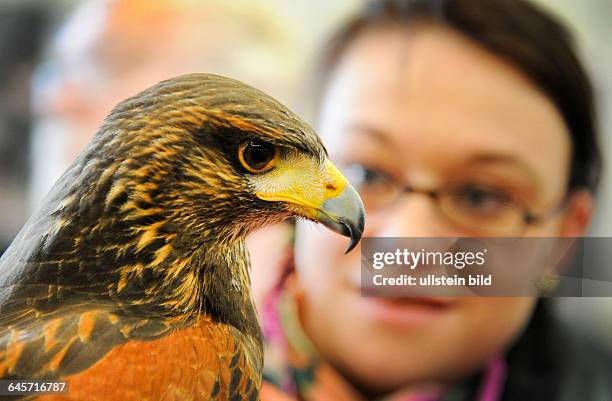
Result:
x=427 y=107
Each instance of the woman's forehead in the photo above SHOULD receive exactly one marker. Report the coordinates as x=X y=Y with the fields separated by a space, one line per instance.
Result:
x=431 y=89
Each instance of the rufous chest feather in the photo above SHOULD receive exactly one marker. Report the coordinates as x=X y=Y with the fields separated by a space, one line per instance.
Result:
x=209 y=361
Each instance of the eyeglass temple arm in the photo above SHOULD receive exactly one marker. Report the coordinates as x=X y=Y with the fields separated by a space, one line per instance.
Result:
x=531 y=218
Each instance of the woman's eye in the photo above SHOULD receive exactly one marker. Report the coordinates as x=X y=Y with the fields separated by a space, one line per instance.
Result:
x=257 y=156
x=481 y=199
x=362 y=176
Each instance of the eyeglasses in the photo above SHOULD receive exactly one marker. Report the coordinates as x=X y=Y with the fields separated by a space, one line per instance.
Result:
x=477 y=208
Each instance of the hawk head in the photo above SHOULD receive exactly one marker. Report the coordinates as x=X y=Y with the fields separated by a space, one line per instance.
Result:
x=219 y=158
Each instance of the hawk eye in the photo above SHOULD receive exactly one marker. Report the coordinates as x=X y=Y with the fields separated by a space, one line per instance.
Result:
x=257 y=156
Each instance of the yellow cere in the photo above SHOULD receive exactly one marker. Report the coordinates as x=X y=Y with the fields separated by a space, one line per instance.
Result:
x=301 y=181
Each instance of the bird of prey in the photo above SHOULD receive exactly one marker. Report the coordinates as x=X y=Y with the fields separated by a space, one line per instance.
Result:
x=131 y=280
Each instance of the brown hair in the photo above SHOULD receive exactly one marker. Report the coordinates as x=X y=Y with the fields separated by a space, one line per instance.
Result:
x=530 y=39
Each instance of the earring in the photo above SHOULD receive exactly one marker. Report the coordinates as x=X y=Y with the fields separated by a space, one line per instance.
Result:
x=547 y=282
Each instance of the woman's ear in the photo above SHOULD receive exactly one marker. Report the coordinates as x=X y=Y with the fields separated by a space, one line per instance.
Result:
x=578 y=213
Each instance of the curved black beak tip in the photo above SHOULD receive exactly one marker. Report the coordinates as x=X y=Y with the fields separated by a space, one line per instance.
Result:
x=354 y=231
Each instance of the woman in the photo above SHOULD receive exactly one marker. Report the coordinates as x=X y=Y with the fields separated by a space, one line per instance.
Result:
x=482 y=110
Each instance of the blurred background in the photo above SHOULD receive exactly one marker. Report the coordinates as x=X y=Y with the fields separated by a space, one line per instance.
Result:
x=65 y=63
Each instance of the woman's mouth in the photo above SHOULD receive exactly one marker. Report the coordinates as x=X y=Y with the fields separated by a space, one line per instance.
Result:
x=402 y=312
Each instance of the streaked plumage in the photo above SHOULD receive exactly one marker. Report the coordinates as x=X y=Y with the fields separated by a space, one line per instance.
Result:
x=131 y=280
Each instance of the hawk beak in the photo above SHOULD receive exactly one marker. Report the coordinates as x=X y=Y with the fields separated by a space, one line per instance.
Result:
x=320 y=194
x=345 y=215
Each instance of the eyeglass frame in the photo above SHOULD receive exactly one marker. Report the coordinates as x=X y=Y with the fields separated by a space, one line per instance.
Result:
x=528 y=217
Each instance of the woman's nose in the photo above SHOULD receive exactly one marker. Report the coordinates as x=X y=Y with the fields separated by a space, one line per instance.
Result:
x=413 y=215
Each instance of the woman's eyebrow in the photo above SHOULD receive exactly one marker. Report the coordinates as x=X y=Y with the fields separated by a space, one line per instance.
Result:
x=503 y=158
x=375 y=133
